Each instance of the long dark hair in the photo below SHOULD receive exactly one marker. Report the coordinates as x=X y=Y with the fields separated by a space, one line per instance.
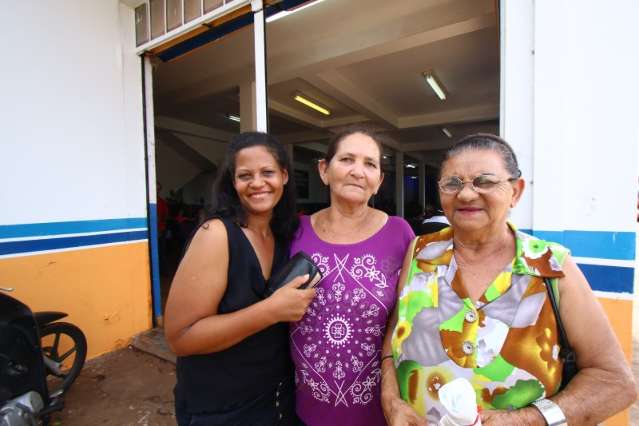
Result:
x=227 y=204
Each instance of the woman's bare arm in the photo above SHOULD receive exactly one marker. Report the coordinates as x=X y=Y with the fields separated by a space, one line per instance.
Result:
x=396 y=411
x=192 y=325
x=604 y=384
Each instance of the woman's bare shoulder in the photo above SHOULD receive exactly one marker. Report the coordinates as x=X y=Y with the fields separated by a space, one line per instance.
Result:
x=211 y=236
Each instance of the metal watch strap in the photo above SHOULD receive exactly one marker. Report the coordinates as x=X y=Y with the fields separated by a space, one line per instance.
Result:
x=551 y=412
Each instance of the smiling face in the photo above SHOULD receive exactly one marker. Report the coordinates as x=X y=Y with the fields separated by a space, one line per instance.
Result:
x=354 y=173
x=258 y=180
x=469 y=211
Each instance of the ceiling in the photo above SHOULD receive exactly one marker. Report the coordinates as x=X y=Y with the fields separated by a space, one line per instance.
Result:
x=363 y=59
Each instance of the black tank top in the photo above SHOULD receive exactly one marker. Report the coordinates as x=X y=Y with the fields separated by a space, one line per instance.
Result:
x=223 y=380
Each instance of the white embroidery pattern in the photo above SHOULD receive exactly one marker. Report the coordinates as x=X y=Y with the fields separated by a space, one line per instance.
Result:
x=338 y=331
x=339 y=339
x=365 y=266
x=308 y=350
x=319 y=389
x=362 y=391
x=356 y=363
x=358 y=295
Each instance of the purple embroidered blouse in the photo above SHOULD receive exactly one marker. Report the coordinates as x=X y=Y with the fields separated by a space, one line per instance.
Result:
x=336 y=347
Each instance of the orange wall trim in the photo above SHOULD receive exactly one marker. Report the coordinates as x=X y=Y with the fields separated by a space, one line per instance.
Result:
x=620 y=316
x=105 y=290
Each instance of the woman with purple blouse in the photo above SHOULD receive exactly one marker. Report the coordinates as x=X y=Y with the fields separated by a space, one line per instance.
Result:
x=336 y=347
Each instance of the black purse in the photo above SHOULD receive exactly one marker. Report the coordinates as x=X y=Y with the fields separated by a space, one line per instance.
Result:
x=300 y=264
x=566 y=352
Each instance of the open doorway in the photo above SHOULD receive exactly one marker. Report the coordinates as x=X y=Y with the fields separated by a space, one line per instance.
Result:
x=364 y=61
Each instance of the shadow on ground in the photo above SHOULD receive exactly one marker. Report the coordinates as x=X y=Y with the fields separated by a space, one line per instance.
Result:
x=123 y=388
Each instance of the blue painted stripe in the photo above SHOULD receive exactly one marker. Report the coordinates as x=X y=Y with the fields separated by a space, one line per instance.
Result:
x=598 y=244
x=155 y=262
x=76 y=227
x=26 y=246
x=615 y=279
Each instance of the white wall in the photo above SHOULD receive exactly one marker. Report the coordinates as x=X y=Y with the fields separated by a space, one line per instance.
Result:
x=585 y=126
x=70 y=112
x=569 y=91
x=517 y=101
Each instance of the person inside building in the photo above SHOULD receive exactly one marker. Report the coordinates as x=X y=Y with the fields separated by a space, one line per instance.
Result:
x=336 y=346
x=473 y=304
x=234 y=365
x=434 y=220
x=162 y=216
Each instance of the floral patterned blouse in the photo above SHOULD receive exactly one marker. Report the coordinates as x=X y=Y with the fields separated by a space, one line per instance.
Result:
x=505 y=343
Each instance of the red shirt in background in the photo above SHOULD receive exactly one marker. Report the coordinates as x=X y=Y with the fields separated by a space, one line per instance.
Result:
x=163 y=214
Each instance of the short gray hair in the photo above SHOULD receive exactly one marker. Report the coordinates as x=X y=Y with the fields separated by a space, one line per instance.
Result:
x=489 y=142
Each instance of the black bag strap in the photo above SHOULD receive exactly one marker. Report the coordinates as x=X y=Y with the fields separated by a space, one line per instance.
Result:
x=566 y=352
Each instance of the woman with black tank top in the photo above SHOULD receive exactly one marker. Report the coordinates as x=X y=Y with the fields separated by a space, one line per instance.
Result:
x=233 y=364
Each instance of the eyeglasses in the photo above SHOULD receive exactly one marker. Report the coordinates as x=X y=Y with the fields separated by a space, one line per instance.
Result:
x=481 y=184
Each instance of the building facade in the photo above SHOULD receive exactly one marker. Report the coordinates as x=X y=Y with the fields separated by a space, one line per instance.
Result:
x=77 y=154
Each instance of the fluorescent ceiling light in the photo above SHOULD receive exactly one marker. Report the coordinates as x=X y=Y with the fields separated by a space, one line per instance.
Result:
x=437 y=87
x=233 y=117
x=284 y=13
x=411 y=166
x=447 y=132
x=311 y=104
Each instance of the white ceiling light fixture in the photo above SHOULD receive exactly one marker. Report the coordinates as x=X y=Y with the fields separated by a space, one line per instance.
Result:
x=447 y=132
x=303 y=99
x=233 y=117
x=283 y=13
x=435 y=84
x=411 y=166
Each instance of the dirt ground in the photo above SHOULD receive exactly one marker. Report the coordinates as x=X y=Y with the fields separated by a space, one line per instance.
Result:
x=132 y=388
x=123 y=388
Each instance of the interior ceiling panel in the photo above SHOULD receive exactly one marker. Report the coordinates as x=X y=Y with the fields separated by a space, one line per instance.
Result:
x=283 y=92
x=363 y=59
x=467 y=66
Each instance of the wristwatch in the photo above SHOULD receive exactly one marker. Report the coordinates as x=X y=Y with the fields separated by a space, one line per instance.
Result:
x=551 y=412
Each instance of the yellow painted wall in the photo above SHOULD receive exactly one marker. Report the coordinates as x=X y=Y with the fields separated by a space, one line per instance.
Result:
x=620 y=315
x=105 y=290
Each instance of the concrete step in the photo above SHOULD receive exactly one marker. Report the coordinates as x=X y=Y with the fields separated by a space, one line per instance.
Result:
x=154 y=343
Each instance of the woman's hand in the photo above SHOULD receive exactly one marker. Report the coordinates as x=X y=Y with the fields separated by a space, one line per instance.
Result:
x=289 y=303
x=399 y=413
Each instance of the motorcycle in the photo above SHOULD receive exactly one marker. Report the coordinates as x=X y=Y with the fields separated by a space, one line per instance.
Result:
x=40 y=358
